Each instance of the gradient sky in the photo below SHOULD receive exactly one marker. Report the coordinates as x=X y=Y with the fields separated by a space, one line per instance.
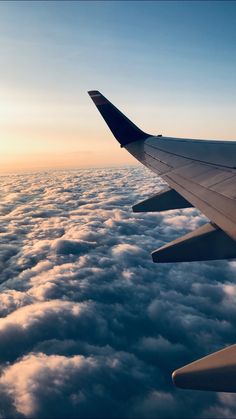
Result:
x=170 y=66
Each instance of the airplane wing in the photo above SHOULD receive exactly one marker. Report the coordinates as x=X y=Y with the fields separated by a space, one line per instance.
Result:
x=200 y=173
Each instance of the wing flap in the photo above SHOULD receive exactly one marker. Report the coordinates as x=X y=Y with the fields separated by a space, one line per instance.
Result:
x=167 y=199
x=206 y=243
x=215 y=372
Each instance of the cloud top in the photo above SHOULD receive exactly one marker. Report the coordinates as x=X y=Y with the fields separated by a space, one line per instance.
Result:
x=89 y=326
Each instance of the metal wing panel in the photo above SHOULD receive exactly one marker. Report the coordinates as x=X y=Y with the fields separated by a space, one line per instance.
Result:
x=226 y=187
x=219 y=153
x=194 y=170
x=172 y=160
x=209 y=186
x=215 y=177
x=159 y=165
x=216 y=207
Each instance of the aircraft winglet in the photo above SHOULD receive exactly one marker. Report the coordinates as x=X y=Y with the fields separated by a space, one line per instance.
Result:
x=123 y=129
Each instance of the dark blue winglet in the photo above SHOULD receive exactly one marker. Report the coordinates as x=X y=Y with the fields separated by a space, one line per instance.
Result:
x=122 y=128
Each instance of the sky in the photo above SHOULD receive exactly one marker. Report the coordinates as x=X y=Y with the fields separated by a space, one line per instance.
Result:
x=90 y=327
x=170 y=66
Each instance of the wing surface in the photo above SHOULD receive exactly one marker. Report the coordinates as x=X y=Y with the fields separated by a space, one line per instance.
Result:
x=200 y=173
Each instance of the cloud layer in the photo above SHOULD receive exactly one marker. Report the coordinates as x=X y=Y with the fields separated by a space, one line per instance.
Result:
x=89 y=326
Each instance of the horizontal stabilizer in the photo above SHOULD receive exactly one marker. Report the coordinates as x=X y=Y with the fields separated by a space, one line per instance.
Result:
x=167 y=199
x=215 y=372
x=206 y=243
x=123 y=129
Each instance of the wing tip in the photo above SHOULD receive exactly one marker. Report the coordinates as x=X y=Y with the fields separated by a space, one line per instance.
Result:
x=97 y=97
x=93 y=92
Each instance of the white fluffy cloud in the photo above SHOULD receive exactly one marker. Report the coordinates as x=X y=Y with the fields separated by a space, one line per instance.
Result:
x=89 y=326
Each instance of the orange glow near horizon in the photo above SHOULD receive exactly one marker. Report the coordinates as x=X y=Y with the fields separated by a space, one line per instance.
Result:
x=166 y=78
x=45 y=130
x=46 y=135
x=73 y=160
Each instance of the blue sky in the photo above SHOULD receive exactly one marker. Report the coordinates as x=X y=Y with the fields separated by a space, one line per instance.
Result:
x=169 y=65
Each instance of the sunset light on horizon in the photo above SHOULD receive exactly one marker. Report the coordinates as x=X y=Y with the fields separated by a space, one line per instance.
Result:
x=169 y=66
